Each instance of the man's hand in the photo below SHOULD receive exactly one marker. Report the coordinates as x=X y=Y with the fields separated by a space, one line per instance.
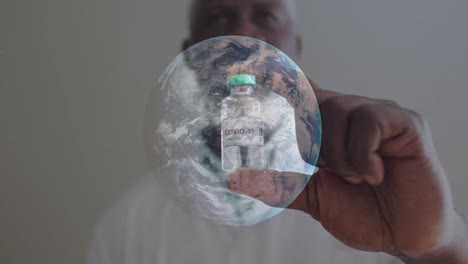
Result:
x=380 y=186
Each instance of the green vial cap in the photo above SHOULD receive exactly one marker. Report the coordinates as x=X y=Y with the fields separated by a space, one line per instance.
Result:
x=241 y=80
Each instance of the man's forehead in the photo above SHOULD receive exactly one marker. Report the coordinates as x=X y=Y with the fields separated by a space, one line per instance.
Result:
x=207 y=4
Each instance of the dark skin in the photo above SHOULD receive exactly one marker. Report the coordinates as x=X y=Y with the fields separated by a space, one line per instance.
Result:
x=380 y=186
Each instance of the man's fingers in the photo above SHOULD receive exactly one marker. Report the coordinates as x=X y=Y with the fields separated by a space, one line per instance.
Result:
x=324 y=95
x=334 y=110
x=320 y=94
x=353 y=131
x=336 y=115
x=277 y=189
x=364 y=139
x=357 y=132
x=377 y=132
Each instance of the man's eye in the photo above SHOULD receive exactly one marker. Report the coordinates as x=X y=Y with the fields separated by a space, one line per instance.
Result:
x=220 y=19
x=265 y=17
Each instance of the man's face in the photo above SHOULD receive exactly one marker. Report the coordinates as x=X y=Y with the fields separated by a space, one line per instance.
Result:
x=267 y=20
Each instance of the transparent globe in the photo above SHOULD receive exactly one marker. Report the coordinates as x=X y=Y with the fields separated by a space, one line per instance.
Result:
x=184 y=130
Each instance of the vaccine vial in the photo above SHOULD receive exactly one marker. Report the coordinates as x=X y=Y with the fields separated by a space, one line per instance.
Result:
x=242 y=127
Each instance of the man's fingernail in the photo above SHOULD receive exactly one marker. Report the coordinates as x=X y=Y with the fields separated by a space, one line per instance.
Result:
x=373 y=180
x=354 y=179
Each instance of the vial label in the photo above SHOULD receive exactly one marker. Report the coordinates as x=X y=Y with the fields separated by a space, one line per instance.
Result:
x=242 y=131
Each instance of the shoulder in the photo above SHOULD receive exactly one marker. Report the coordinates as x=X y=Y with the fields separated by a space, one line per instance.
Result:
x=120 y=227
x=144 y=195
x=140 y=203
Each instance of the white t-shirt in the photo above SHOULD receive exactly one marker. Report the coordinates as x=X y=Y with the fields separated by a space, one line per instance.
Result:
x=148 y=227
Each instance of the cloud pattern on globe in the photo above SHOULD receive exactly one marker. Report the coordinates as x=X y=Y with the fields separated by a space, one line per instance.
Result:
x=183 y=125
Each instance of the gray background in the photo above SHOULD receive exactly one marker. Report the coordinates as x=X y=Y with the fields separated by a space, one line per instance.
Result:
x=75 y=77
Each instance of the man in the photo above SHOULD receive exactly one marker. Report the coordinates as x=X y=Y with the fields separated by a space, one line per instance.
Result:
x=380 y=188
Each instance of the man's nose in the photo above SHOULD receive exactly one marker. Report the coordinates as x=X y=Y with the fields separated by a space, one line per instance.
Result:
x=246 y=27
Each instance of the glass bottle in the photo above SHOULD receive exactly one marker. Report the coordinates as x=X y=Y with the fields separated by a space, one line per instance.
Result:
x=242 y=131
